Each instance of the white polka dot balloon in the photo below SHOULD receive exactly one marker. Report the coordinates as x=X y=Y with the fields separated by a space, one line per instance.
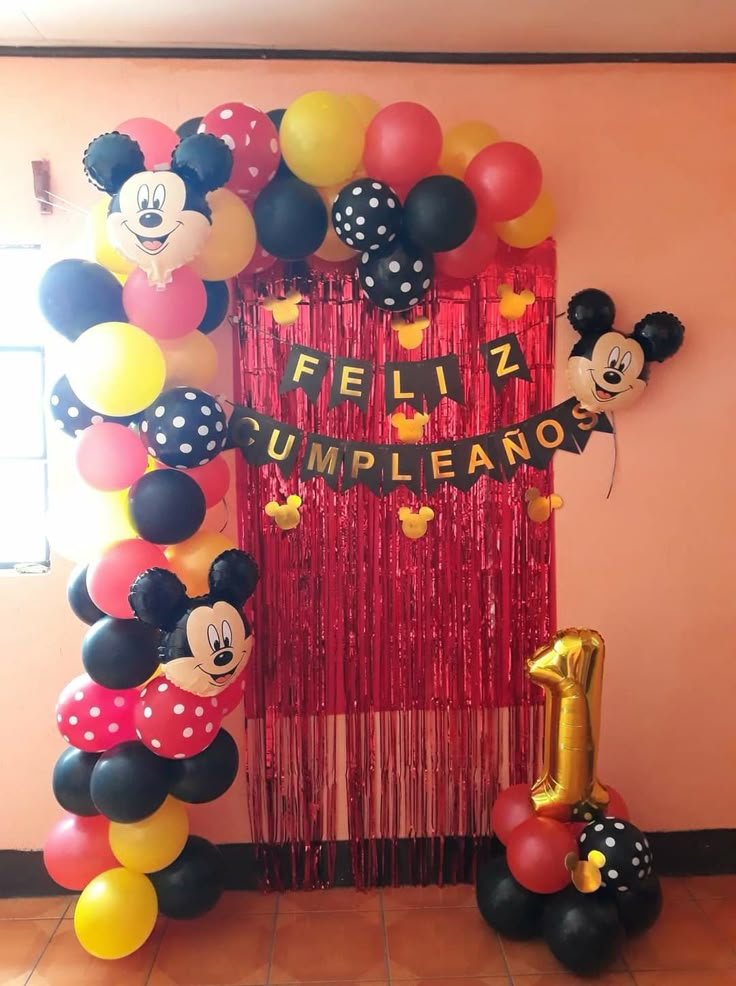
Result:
x=625 y=847
x=92 y=718
x=366 y=215
x=70 y=415
x=173 y=723
x=252 y=138
x=184 y=427
x=397 y=277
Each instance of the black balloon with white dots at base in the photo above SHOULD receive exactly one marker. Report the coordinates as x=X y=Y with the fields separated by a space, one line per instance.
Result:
x=626 y=850
x=71 y=416
x=184 y=427
x=397 y=277
x=366 y=214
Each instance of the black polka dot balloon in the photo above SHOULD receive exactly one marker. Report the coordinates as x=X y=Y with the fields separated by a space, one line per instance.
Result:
x=184 y=427
x=70 y=415
x=627 y=852
x=397 y=277
x=367 y=214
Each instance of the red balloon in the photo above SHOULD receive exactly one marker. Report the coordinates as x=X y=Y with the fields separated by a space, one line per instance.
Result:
x=536 y=854
x=254 y=141
x=93 y=718
x=260 y=261
x=213 y=478
x=232 y=696
x=174 y=723
x=617 y=807
x=402 y=144
x=506 y=180
x=110 y=456
x=471 y=257
x=77 y=850
x=512 y=807
x=169 y=312
x=156 y=140
x=110 y=577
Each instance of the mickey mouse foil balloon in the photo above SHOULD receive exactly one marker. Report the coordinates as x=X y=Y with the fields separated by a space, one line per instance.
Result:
x=158 y=219
x=608 y=370
x=207 y=641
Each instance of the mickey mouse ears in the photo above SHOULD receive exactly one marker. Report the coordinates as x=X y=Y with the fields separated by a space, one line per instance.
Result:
x=591 y=310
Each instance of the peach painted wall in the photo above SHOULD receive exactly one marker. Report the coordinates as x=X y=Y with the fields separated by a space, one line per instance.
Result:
x=641 y=161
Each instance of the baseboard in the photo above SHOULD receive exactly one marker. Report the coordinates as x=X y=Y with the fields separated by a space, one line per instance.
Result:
x=700 y=853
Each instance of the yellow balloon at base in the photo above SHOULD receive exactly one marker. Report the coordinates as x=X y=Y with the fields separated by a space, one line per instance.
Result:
x=531 y=228
x=365 y=107
x=322 y=138
x=154 y=842
x=105 y=253
x=115 y=914
x=191 y=559
x=332 y=248
x=232 y=241
x=191 y=361
x=461 y=143
x=116 y=368
x=82 y=522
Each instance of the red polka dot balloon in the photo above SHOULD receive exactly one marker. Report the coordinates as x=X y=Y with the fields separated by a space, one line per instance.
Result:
x=174 y=723
x=254 y=141
x=232 y=696
x=93 y=718
x=260 y=261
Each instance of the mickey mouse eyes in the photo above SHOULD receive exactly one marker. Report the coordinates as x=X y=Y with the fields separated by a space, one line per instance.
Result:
x=144 y=193
x=625 y=362
x=159 y=197
x=213 y=637
x=227 y=634
x=614 y=356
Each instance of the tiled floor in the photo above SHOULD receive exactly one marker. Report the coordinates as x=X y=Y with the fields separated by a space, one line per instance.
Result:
x=411 y=937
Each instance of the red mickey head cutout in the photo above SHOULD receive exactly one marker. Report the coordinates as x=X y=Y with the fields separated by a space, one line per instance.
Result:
x=174 y=723
x=254 y=141
x=93 y=718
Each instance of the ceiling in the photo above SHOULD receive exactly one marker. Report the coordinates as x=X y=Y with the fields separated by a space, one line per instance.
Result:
x=575 y=26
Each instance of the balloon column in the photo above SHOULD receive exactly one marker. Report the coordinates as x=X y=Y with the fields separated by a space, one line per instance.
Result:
x=575 y=869
x=167 y=642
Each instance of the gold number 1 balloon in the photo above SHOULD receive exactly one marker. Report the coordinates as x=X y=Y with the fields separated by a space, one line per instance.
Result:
x=570 y=669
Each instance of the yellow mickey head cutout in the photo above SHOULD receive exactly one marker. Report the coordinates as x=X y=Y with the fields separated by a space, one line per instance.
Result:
x=411 y=334
x=409 y=430
x=539 y=508
x=586 y=873
x=414 y=525
x=285 y=515
x=512 y=305
x=285 y=310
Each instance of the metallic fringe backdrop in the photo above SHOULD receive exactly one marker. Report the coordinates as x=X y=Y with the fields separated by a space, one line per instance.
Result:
x=388 y=699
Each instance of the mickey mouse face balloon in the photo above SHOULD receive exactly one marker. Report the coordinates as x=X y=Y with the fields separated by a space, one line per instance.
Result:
x=608 y=370
x=158 y=219
x=207 y=641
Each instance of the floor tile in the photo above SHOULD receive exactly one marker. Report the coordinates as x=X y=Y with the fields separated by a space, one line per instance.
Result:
x=530 y=957
x=472 y=981
x=441 y=943
x=675 y=888
x=21 y=944
x=683 y=938
x=338 y=945
x=721 y=913
x=401 y=898
x=724 y=977
x=33 y=908
x=336 y=899
x=703 y=887
x=568 y=979
x=65 y=963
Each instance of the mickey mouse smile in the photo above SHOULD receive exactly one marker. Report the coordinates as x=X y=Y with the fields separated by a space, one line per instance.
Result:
x=152 y=244
x=602 y=393
x=222 y=677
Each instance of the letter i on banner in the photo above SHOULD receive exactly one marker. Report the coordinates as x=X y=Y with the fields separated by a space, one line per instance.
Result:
x=505 y=360
x=441 y=378
x=305 y=370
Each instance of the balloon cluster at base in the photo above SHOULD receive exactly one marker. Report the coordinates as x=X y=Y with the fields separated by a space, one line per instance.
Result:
x=575 y=870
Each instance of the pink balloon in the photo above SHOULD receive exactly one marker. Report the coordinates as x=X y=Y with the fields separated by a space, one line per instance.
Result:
x=174 y=723
x=77 y=850
x=402 y=144
x=254 y=141
x=512 y=807
x=93 y=718
x=471 y=257
x=156 y=140
x=110 y=577
x=169 y=312
x=213 y=479
x=260 y=261
x=110 y=456
x=506 y=179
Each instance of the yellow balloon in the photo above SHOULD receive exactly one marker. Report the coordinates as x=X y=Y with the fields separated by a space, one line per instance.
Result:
x=82 y=522
x=120 y=277
x=532 y=227
x=364 y=106
x=191 y=559
x=232 y=241
x=116 y=368
x=461 y=143
x=154 y=842
x=332 y=247
x=105 y=253
x=322 y=138
x=115 y=913
x=191 y=361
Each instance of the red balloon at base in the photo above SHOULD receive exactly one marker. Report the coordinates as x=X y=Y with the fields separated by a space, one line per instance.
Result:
x=512 y=807
x=77 y=850
x=536 y=855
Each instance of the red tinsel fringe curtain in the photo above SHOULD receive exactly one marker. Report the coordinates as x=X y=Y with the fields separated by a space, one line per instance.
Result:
x=388 y=700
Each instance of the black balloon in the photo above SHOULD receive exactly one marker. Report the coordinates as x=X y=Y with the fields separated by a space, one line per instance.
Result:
x=638 y=909
x=509 y=908
x=72 y=416
x=166 y=506
x=660 y=334
x=71 y=780
x=218 y=302
x=367 y=214
x=120 y=653
x=439 y=213
x=397 y=277
x=207 y=775
x=582 y=930
x=129 y=782
x=184 y=427
x=75 y=294
x=78 y=597
x=189 y=127
x=276 y=116
x=626 y=850
x=591 y=310
x=193 y=883
x=291 y=219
